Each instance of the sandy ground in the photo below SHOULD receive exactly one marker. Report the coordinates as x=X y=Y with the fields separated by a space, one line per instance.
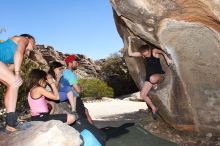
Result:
x=113 y=107
x=115 y=112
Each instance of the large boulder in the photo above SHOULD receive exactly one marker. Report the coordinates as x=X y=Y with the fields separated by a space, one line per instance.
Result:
x=189 y=98
x=51 y=133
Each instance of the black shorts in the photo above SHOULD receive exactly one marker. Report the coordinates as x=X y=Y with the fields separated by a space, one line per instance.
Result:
x=80 y=108
x=46 y=117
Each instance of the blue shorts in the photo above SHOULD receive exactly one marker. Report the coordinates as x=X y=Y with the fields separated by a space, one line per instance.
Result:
x=7 y=51
x=63 y=93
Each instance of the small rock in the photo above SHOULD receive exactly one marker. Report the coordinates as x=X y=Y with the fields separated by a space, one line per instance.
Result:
x=150 y=29
x=150 y=21
x=128 y=99
x=208 y=135
x=107 y=99
x=142 y=110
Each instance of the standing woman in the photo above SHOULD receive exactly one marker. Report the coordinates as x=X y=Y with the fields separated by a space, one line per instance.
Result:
x=154 y=71
x=11 y=56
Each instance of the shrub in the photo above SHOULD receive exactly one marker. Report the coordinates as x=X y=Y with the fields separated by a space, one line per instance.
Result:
x=116 y=74
x=95 y=88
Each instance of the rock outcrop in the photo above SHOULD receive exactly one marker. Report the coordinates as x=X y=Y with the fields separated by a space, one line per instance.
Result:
x=189 y=98
x=51 y=133
x=45 y=55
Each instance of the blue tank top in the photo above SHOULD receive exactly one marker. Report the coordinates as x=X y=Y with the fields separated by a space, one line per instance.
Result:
x=7 y=51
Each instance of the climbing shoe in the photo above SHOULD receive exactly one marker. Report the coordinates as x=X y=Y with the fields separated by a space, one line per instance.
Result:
x=155 y=114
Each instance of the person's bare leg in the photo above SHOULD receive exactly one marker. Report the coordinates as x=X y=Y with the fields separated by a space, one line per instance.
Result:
x=144 y=94
x=11 y=98
x=72 y=100
x=70 y=119
x=52 y=107
x=156 y=79
x=12 y=92
x=8 y=78
x=88 y=116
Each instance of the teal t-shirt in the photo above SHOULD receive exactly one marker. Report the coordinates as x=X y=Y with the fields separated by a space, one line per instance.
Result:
x=68 y=79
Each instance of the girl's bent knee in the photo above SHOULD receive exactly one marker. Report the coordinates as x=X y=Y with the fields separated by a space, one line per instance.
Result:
x=70 y=118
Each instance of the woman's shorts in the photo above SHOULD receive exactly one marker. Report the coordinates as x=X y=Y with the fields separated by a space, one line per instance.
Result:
x=47 y=117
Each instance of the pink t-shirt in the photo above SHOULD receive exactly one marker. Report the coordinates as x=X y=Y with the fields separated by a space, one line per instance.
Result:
x=38 y=105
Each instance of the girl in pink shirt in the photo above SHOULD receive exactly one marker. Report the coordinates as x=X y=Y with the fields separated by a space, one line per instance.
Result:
x=38 y=79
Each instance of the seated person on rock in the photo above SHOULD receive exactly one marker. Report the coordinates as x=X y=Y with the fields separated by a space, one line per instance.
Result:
x=69 y=78
x=154 y=71
x=65 y=92
x=68 y=85
x=37 y=81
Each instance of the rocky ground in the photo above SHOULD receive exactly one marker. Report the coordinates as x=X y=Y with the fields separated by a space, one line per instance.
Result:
x=137 y=113
x=115 y=112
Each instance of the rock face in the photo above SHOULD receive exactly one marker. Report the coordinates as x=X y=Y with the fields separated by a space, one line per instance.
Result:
x=189 y=98
x=45 y=55
x=51 y=133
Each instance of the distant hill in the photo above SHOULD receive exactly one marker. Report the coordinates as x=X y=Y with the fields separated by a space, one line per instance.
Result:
x=45 y=55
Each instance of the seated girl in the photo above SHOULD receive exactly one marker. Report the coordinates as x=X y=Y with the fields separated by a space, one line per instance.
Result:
x=38 y=79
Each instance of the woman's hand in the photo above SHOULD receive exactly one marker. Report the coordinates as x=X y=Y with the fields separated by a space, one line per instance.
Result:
x=130 y=52
x=50 y=79
x=18 y=81
x=131 y=38
x=58 y=77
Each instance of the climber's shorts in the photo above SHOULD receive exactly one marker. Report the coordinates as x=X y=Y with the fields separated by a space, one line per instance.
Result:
x=46 y=117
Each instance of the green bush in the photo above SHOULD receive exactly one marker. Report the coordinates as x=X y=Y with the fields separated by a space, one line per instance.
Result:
x=115 y=73
x=95 y=88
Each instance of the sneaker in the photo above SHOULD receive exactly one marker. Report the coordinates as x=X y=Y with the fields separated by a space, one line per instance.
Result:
x=75 y=114
x=20 y=126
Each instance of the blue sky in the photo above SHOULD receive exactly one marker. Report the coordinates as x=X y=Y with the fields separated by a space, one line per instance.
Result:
x=70 y=26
